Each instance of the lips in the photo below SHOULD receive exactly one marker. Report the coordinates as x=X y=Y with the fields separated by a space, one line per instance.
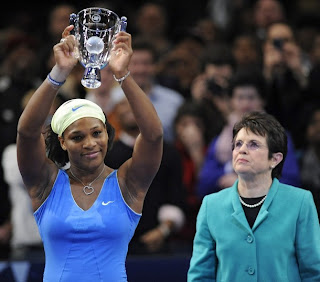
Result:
x=242 y=161
x=91 y=155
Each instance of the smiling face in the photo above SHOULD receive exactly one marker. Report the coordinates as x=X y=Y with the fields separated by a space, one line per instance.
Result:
x=86 y=141
x=250 y=155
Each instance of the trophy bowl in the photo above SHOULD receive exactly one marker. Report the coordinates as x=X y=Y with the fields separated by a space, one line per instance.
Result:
x=94 y=30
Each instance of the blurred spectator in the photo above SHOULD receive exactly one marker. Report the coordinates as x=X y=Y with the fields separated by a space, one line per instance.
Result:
x=163 y=207
x=286 y=70
x=206 y=29
x=143 y=69
x=178 y=68
x=265 y=13
x=310 y=161
x=231 y=17
x=312 y=93
x=58 y=18
x=150 y=22
x=192 y=135
x=307 y=26
x=246 y=50
x=26 y=243
x=247 y=91
x=17 y=75
x=209 y=88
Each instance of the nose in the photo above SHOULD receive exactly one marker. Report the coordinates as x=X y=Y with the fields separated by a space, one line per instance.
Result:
x=243 y=149
x=89 y=142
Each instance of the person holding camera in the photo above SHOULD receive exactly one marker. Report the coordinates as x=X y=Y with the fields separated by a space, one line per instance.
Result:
x=286 y=69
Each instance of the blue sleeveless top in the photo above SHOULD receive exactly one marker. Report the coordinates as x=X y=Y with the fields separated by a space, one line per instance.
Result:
x=89 y=245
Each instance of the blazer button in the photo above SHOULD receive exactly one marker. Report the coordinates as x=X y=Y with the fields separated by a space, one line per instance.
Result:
x=249 y=239
x=251 y=270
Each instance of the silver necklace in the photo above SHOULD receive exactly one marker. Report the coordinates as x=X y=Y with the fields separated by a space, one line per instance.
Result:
x=252 y=206
x=88 y=189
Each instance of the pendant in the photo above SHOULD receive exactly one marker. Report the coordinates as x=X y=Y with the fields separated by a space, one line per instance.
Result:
x=88 y=190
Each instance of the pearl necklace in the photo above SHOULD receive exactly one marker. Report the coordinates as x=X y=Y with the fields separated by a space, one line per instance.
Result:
x=252 y=206
x=88 y=189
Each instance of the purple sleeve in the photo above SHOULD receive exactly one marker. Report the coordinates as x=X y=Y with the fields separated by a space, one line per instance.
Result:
x=291 y=169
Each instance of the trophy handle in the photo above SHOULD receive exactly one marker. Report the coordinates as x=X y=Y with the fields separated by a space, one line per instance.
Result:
x=72 y=20
x=123 y=23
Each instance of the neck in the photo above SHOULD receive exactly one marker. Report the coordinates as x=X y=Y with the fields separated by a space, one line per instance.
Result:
x=253 y=188
x=86 y=176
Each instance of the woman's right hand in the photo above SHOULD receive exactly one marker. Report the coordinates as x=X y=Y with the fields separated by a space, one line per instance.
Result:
x=65 y=51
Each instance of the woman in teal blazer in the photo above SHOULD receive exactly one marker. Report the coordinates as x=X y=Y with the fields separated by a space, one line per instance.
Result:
x=259 y=229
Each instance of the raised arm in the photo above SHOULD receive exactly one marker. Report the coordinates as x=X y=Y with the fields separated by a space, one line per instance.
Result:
x=137 y=173
x=37 y=171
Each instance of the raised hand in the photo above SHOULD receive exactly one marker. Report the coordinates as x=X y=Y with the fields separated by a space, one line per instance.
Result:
x=65 y=51
x=120 y=54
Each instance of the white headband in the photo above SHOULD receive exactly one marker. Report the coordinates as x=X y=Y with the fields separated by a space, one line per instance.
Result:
x=72 y=110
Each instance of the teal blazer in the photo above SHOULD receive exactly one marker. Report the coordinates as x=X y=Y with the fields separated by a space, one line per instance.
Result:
x=282 y=246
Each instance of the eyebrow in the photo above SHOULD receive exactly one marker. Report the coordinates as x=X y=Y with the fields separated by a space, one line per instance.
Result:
x=80 y=131
x=251 y=140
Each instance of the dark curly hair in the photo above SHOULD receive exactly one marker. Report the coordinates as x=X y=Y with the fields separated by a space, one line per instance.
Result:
x=58 y=155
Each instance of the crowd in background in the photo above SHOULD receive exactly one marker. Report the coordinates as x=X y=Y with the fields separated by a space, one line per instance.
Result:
x=203 y=64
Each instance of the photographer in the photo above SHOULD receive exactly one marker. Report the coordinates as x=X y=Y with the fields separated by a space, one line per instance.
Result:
x=285 y=69
x=209 y=88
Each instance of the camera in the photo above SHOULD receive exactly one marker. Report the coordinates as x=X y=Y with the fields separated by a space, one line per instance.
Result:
x=214 y=88
x=278 y=43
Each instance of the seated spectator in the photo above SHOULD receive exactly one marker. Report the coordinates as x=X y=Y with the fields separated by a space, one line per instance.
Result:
x=163 y=206
x=247 y=95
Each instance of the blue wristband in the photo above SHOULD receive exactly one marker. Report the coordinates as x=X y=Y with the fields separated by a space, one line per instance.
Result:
x=54 y=82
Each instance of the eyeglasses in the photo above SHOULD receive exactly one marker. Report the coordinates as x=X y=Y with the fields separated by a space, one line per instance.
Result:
x=251 y=145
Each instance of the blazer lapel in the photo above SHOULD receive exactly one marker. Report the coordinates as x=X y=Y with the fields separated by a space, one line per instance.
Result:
x=263 y=213
x=238 y=215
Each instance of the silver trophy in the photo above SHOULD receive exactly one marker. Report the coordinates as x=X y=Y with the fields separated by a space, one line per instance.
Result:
x=95 y=29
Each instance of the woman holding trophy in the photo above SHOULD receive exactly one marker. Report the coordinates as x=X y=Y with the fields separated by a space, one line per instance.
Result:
x=86 y=212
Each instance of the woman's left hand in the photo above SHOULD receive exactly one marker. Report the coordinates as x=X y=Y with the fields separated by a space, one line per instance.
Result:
x=121 y=53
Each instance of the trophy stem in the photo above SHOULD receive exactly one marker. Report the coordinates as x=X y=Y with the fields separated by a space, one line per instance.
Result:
x=91 y=78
